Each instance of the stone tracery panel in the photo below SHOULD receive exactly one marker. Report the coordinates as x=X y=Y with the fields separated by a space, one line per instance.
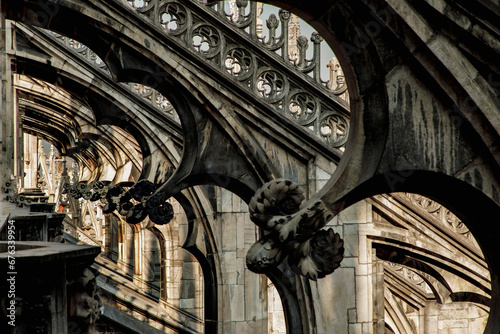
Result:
x=82 y=50
x=206 y=40
x=172 y=18
x=448 y=219
x=334 y=129
x=303 y=107
x=260 y=63
x=410 y=275
x=153 y=97
x=414 y=289
x=239 y=63
x=271 y=85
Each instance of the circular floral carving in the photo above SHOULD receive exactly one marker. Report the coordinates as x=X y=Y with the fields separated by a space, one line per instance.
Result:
x=87 y=194
x=319 y=256
x=206 y=40
x=174 y=18
x=316 y=38
x=163 y=103
x=334 y=129
x=73 y=44
x=425 y=203
x=239 y=63
x=144 y=91
x=277 y=198
x=161 y=214
x=457 y=224
x=139 y=3
x=271 y=85
x=303 y=107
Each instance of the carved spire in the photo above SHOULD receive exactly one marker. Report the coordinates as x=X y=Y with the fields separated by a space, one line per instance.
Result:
x=336 y=74
x=293 y=36
x=337 y=80
x=233 y=9
x=259 y=22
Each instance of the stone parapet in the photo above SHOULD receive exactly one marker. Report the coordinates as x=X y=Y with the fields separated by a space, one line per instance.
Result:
x=49 y=288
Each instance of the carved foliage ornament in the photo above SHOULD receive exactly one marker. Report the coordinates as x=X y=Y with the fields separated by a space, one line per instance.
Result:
x=93 y=191
x=292 y=231
x=22 y=198
x=131 y=203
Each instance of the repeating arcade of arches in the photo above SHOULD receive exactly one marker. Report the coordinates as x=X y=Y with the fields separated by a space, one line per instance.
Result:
x=95 y=153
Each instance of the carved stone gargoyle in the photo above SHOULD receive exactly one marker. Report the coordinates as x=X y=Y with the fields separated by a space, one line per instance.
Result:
x=293 y=232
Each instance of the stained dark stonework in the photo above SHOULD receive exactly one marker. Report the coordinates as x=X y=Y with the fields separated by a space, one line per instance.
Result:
x=37 y=284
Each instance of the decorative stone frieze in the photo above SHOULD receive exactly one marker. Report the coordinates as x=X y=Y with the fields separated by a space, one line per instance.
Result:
x=293 y=231
x=22 y=197
x=154 y=98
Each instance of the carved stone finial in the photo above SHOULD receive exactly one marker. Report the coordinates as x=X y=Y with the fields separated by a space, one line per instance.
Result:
x=241 y=3
x=272 y=22
x=302 y=42
x=337 y=80
x=293 y=231
x=316 y=38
